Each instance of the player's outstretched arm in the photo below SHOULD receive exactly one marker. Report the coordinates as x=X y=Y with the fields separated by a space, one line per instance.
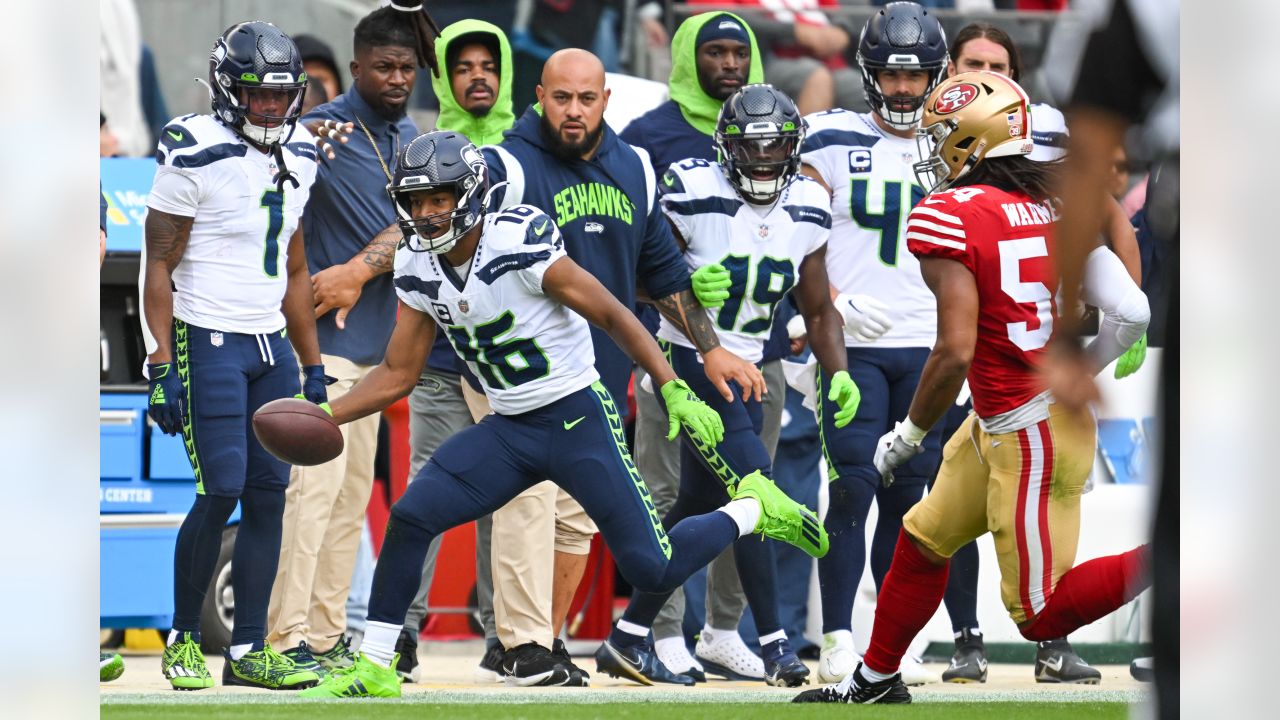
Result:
x=824 y=327
x=683 y=310
x=396 y=375
x=944 y=372
x=339 y=286
x=568 y=284
x=298 y=318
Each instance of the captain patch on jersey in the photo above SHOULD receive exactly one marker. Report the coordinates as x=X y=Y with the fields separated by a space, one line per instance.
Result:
x=761 y=246
x=492 y=308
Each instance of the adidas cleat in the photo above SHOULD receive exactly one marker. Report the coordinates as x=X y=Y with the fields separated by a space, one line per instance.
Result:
x=110 y=666
x=304 y=658
x=183 y=665
x=363 y=678
x=782 y=518
x=857 y=689
x=490 y=668
x=638 y=662
x=1057 y=662
x=969 y=661
x=268 y=669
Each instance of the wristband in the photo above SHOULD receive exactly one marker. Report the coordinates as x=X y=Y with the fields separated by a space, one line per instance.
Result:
x=911 y=434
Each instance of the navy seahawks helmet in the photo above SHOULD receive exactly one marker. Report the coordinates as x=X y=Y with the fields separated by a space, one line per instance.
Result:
x=435 y=161
x=758 y=136
x=901 y=36
x=250 y=58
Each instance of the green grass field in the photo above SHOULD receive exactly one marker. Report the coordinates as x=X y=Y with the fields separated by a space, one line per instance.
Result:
x=614 y=711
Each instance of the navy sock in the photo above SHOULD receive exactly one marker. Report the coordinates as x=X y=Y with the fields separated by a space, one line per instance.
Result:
x=840 y=571
x=961 y=597
x=195 y=556
x=696 y=541
x=892 y=503
x=253 y=566
x=398 y=571
x=758 y=571
x=623 y=639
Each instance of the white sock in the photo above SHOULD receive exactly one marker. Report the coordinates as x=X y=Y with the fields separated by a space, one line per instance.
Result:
x=773 y=637
x=380 y=642
x=838 y=638
x=173 y=638
x=631 y=628
x=874 y=676
x=238 y=651
x=674 y=647
x=710 y=634
x=745 y=513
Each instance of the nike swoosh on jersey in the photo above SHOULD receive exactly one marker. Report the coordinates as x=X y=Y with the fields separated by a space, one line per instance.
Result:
x=569 y=425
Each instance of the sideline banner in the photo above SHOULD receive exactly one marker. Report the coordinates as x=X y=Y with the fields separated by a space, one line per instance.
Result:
x=126 y=183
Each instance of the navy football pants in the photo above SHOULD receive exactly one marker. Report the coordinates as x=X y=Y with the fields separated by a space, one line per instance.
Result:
x=578 y=443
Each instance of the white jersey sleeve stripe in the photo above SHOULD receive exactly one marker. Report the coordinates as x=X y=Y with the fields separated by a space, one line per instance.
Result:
x=650 y=180
x=954 y=244
x=918 y=224
x=921 y=209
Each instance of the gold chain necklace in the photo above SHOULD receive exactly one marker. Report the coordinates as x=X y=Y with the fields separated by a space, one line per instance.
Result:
x=386 y=171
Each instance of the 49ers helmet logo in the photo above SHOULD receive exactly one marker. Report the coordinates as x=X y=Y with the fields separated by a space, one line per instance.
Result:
x=956 y=98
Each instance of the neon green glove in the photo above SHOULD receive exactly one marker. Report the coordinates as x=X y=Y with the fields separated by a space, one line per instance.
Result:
x=844 y=393
x=1132 y=359
x=684 y=408
x=323 y=406
x=711 y=285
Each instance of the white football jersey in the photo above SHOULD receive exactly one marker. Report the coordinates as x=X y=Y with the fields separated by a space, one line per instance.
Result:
x=527 y=349
x=233 y=273
x=873 y=189
x=762 y=246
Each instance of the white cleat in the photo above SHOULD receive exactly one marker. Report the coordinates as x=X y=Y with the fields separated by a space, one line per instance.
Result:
x=915 y=673
x=838 y=658
x=723 y=653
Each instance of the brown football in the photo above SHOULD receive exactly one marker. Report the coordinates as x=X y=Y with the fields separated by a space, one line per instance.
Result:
x=297 y=431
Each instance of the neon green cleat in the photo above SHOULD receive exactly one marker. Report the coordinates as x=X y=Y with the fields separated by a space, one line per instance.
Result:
x=110 y=666
x=365 y=678
x=183 y=665
x=268 y=669
x=339 y=656
x=782 y=518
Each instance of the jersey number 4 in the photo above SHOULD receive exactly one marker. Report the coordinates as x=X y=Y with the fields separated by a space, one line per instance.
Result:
x=273 y=201
x=502 y=364
x=898 y=199
x=773 y=278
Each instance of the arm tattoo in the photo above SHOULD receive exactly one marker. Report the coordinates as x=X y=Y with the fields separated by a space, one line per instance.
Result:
x=166 y=237
x=683 y=311
x=380 y=254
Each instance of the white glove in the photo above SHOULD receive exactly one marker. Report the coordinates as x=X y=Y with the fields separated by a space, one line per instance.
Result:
x=864 y=316
x=895 y=448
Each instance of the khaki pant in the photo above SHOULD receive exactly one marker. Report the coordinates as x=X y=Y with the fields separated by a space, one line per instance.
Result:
x=1024 y=488
x=323 y=519
x=526 y=534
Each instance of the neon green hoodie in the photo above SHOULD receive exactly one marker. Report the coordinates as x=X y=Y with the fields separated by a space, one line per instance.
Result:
x=700 y=109
x=487 y=129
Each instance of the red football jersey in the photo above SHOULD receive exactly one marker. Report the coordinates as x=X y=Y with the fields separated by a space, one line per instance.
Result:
x=1006 y=241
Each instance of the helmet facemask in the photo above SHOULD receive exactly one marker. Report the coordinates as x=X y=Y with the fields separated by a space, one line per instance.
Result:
x=274 y=126
x=420 y=233
x=879 y=102
x=761 y=164
x=254 y=64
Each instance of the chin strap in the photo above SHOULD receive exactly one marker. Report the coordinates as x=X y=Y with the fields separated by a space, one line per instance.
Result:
x=283 y=174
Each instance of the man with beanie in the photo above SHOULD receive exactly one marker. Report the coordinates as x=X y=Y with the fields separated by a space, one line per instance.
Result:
x=712 y=55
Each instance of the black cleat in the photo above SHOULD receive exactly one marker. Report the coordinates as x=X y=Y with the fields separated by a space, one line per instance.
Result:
x=638 y=662
x=577 y=676
x=490 y=668
x=407 y=662
x=1142 y=670
x=531 y=665
x=858 y=689
x=782 y=668
x=969 y=661
x=1057 y=662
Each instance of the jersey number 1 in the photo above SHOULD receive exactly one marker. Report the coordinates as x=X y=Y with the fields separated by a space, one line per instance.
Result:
x=273 y=201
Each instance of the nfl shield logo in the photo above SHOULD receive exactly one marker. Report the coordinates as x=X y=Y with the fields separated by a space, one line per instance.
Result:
x=216 y=339
x=763 y=231
x=463 y=306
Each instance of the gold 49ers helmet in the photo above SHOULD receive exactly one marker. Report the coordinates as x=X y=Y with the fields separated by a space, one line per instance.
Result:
x=968 y=118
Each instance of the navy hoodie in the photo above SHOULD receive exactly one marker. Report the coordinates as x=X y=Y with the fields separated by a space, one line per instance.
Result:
x=607 y=210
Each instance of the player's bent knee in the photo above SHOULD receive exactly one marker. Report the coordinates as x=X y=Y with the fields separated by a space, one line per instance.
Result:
x=850 y=496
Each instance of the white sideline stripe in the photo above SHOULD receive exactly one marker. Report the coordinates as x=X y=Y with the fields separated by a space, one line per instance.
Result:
x=1031 y=520
x=935 y=240
x=925 y=224
x=937 y=214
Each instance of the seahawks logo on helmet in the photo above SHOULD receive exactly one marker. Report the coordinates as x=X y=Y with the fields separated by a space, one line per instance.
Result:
x=432 y=162
x=901 y=36
x=256 y=82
